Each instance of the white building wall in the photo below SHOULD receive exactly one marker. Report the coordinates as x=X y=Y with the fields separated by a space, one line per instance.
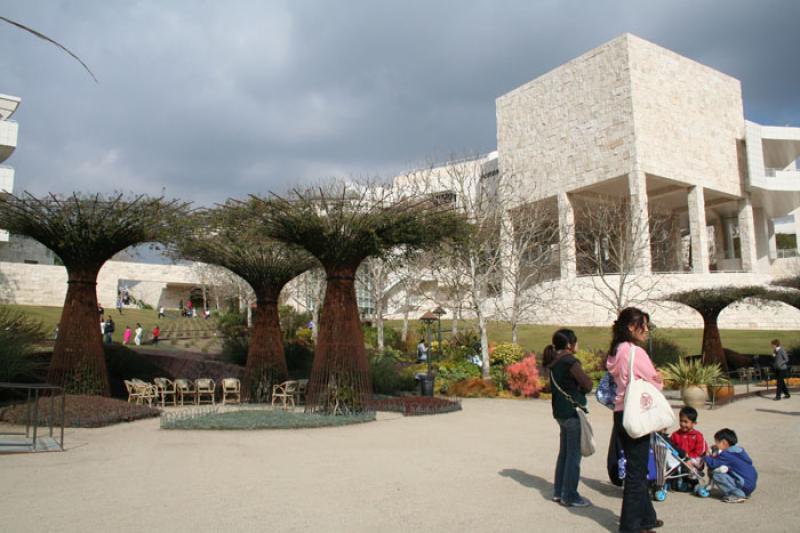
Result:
x=571 y=127
x=155 y=285
x=687 y=118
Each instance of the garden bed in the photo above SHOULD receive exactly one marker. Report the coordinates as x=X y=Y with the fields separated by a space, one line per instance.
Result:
x=81 y=412
x=249 y=419
x=417 y=405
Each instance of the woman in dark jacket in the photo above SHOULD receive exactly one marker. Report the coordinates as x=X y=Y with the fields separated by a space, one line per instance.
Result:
x=566 y=372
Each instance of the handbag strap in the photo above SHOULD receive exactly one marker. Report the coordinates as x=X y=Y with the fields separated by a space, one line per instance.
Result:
x=631 y=357
x=569 y=398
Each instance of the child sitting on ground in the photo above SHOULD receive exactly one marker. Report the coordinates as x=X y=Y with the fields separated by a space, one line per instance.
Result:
x=689 y=442
x=732 y=469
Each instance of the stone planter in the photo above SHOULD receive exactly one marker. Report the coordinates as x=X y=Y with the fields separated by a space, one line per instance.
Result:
x=694 y=396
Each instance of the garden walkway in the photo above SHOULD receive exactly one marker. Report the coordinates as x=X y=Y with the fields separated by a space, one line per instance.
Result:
x=486 y=468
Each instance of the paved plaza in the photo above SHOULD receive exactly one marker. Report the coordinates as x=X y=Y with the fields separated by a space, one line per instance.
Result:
x=486 y=468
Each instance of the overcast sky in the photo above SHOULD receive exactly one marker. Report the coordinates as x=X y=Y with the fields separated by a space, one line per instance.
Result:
x=212 y=99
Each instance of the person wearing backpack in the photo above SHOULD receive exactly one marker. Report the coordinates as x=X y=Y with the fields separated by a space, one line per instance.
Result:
x=569 y=387
x=630 y=330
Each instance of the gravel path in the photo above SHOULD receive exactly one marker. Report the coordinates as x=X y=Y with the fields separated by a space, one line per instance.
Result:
x=486 y=468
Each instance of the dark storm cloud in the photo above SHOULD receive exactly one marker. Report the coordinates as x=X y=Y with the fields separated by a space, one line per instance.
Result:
x=218 y=99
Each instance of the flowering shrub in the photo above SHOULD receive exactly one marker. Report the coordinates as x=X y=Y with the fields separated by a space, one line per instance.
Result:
x=593 y=363
x=473 y=388
x=506 y=354
x=417 y=405
x=451 y=372
x=523 y=377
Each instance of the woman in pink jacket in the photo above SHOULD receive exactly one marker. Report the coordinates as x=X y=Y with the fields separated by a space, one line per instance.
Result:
x=629 y=332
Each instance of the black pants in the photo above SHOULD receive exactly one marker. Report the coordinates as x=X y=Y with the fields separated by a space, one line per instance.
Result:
x=637 y=507
x=780 y=382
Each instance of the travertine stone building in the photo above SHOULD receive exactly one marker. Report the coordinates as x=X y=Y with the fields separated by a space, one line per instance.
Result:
x=633 y=121
x=633 y=118
x=8 y=143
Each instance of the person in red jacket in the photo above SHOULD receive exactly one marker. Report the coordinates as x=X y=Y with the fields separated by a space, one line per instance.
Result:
x=689 y=442
x=156 y=333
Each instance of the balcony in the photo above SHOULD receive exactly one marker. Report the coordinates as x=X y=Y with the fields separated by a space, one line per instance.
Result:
x=8 y=138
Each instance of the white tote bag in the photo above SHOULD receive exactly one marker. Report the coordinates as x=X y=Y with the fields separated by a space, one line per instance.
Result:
x=646 y=410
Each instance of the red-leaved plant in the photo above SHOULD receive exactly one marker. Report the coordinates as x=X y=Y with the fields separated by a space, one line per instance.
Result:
x=523 y=377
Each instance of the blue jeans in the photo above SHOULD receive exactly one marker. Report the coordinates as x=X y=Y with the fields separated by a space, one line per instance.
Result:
x=730 y=485
x=568 y=465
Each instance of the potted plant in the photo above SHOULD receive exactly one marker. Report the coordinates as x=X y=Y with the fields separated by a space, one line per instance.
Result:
x=693 y=379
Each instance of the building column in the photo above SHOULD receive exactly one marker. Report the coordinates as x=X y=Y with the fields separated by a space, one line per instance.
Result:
x=772 y=239
x=796 y=215
x=730 y=249
x=640 y=222
x=566 y=233
x=697 y=228
x=747 y=235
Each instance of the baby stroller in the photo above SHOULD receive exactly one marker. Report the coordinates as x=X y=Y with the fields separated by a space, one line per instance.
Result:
x=666 y=465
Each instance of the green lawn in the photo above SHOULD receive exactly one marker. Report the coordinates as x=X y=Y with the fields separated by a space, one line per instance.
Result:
x=196 y=333
x=177 y=333
x=536 y=337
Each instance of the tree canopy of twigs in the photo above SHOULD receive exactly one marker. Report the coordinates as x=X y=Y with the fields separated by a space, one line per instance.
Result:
x=85 y=231
x=710 y=303
x=341 y=226
x=227 y=236
x=611 y=243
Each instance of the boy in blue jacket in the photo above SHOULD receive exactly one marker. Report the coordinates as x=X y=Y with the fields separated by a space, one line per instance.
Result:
x=732 y=469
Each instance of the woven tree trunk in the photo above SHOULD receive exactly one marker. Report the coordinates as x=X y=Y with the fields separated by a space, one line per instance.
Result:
x=266 y=360
x=712 y=342
x=78 y=362
x=340 y=382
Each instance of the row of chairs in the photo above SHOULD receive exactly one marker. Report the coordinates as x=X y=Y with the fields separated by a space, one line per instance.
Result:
x=202 y=390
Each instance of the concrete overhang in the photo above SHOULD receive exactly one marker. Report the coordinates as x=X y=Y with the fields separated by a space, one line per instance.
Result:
x=8 y=104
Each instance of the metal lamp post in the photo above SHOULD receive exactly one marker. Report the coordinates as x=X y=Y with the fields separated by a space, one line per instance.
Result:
x=427 y=385
x=439 y=312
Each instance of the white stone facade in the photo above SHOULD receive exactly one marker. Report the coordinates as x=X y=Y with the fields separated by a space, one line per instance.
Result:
x=9 y=130
x=635 y=121
x=156 y=285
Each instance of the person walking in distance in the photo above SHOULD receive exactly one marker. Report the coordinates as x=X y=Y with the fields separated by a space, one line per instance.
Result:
x=137 y=339
x=781 y=366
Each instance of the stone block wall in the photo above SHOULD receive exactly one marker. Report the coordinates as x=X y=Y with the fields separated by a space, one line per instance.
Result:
x=25 y=284
x=571 y=127
x=687 y=118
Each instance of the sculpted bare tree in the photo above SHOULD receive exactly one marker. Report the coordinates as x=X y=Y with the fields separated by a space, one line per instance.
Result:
x=612 y=243
x=373 y=276
x=470 y=270
x=531 y=245
x=228 y=236
x=84 y=232
x=710 y=303
x=341 y=226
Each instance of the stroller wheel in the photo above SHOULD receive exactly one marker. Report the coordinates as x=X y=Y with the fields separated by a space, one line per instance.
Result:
x=660 y=495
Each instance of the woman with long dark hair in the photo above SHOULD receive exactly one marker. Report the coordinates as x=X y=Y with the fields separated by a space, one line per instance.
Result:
x=569 y=385
x=629 y=332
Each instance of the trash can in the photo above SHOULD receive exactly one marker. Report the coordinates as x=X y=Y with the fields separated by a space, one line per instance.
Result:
x=425 y=384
